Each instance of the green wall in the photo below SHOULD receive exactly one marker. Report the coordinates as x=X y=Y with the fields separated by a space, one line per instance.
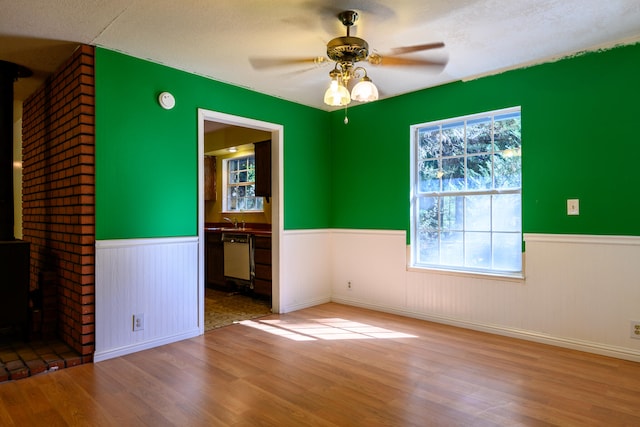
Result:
x=579 y=141
x=146 y=157
x=579 y=133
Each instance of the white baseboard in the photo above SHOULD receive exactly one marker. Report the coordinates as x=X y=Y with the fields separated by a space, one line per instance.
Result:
x=586 y=346
x=304 y=304
x=122 y=351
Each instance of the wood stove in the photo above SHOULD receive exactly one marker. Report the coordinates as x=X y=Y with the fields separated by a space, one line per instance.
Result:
x=14 y=254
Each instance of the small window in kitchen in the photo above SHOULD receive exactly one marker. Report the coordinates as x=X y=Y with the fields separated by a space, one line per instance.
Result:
x=239 y=187
x=466 y=194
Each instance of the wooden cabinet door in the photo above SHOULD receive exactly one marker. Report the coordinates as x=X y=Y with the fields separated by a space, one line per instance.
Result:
x=263 y=169
x=214 y=263
x=262 y=258
x=210 y=178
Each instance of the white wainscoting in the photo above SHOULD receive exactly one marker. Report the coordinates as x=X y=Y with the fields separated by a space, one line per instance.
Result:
x=579 y=292
x=157 y=277
x=305 y=269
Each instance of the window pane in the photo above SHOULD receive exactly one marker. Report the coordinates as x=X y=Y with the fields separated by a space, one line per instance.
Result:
x=242 y=177
x=453 y=139
x=479 y=135
x=451 y=252
x=251 y=174
x=506 y=212
x=477 y=248
x=233 y=178
x=428 y=251
x=232 y=165
x=251 y=203
x=506 y=133
x=479 y=172
x=429 y=176
x=242 y=163
x=507 y=251
x=428 y=215
x=507 y=170
x=452 y=212
x=453 y=174
x=477 y=213
x=429 y=142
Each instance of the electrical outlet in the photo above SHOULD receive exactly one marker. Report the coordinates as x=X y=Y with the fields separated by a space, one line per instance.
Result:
x=138 y=322
x=349 y=284
x=635 y=329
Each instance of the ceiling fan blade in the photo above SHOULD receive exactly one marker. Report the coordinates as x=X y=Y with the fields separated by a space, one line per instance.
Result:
x=416 y=48
x=265 y=63
x=398 y=61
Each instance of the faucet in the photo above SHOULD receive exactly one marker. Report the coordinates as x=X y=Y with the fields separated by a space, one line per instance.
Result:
x=232 y=221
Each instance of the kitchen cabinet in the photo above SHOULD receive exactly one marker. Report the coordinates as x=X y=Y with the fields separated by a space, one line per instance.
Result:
x=263 y=169
x=214 y=263
x=262 y=264
x=210 y=178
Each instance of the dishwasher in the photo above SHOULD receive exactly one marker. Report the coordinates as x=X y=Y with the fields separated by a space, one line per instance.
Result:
x=238 y=258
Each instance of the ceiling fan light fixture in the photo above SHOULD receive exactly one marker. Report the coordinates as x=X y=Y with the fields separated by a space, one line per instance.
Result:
x=347 y=52
x=364 y=90
x=337 y=95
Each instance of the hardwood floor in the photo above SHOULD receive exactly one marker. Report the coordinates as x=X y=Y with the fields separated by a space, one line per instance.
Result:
x=335 y=365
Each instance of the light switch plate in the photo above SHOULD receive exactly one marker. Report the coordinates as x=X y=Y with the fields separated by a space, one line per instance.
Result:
x=573 y=207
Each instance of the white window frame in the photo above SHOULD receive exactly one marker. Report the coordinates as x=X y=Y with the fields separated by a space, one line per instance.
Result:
x=415 y=194
x=226 y=185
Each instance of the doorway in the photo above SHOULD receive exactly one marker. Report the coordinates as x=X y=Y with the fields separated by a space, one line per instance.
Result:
x=208 y=120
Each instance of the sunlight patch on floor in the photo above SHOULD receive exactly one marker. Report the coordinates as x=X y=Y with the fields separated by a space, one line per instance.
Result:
x=323 y=329
x=275 y=331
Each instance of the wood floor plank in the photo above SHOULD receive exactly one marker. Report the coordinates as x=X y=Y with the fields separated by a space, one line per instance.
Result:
x=14 y=408
x=335 y=365
x=80 y=409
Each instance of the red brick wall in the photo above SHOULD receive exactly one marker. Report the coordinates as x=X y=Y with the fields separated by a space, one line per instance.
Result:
x=58 y=198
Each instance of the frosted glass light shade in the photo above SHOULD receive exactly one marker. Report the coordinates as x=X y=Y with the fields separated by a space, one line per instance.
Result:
x=364 y=91
x=337 y=95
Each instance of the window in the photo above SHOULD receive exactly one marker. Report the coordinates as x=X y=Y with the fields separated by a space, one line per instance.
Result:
x=466 y=193
x=239 y=188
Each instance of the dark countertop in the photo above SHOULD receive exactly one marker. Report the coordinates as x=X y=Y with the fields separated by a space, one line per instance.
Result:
x=250 y=228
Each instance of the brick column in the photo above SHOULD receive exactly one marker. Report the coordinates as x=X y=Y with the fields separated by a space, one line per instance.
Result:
x=58 y=198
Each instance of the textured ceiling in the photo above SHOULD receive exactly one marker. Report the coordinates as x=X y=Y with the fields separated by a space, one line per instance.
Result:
x=217 y=38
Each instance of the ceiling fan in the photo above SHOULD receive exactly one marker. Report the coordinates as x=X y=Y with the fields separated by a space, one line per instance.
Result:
x=346 y=52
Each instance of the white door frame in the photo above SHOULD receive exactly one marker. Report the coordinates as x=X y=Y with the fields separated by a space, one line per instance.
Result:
x=277 y=217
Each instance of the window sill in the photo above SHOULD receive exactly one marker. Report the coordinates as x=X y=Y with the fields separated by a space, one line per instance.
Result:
x=240 y=213
x=507 y=277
